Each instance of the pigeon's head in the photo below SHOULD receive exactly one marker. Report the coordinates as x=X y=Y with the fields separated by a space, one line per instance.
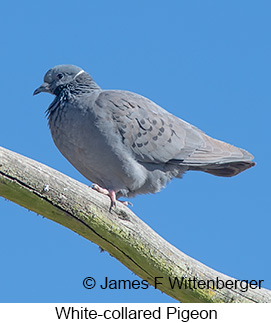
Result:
x=57 y=77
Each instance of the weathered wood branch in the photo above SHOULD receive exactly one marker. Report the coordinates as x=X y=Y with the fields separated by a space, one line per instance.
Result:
x=120 y=232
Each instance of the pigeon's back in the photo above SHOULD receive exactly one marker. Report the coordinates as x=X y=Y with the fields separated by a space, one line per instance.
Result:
x=156 y=136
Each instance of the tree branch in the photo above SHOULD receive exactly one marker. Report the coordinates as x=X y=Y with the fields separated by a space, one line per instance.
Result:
x=120 y=232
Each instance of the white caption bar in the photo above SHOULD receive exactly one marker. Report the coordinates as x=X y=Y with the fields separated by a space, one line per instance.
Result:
x=154 y=312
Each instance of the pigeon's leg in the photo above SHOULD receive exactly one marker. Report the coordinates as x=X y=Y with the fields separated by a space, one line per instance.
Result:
x=99 y=189
x=110 y=193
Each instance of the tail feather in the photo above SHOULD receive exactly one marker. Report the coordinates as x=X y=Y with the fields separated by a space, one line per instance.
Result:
x=224 y=170
x=219 y=158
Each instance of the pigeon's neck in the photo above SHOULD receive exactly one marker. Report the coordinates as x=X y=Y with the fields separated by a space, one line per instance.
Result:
x=80 y=85
x=83 y=84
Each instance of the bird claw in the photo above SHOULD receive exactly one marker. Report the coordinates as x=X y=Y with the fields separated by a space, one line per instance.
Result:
x=126 y=203
x=99 y=189
x=111 y=194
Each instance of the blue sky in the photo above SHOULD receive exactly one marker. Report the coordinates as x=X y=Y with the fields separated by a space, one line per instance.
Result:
x=207 y=62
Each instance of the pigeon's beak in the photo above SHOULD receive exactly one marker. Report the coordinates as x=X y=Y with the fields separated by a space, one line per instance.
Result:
x=45 y=87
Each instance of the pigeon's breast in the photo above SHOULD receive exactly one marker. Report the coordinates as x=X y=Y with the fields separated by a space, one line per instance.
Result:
x=97 y=154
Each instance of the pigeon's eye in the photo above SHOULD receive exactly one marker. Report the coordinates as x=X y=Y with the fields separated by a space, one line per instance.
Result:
x=60 y=76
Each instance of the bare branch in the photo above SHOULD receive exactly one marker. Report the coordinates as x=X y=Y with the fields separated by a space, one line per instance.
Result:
x=120 y=232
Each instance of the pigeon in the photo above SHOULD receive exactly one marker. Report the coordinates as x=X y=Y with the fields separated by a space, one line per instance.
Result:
x=124 y=143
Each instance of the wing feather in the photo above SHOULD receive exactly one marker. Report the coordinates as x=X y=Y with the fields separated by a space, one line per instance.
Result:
x=156 y=136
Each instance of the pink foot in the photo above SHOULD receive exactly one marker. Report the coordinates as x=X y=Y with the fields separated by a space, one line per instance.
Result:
x=110 y=193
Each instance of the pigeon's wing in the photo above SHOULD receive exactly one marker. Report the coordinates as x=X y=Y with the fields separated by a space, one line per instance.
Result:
x=150 y=132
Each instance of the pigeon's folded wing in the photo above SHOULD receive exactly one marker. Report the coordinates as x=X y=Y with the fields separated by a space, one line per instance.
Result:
x=150 y=132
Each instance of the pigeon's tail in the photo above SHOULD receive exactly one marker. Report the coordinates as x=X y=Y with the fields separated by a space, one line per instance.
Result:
x=220 y=159
x=225 y=170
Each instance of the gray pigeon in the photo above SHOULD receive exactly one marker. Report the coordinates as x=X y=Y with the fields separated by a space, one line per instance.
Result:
x=125 y=143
